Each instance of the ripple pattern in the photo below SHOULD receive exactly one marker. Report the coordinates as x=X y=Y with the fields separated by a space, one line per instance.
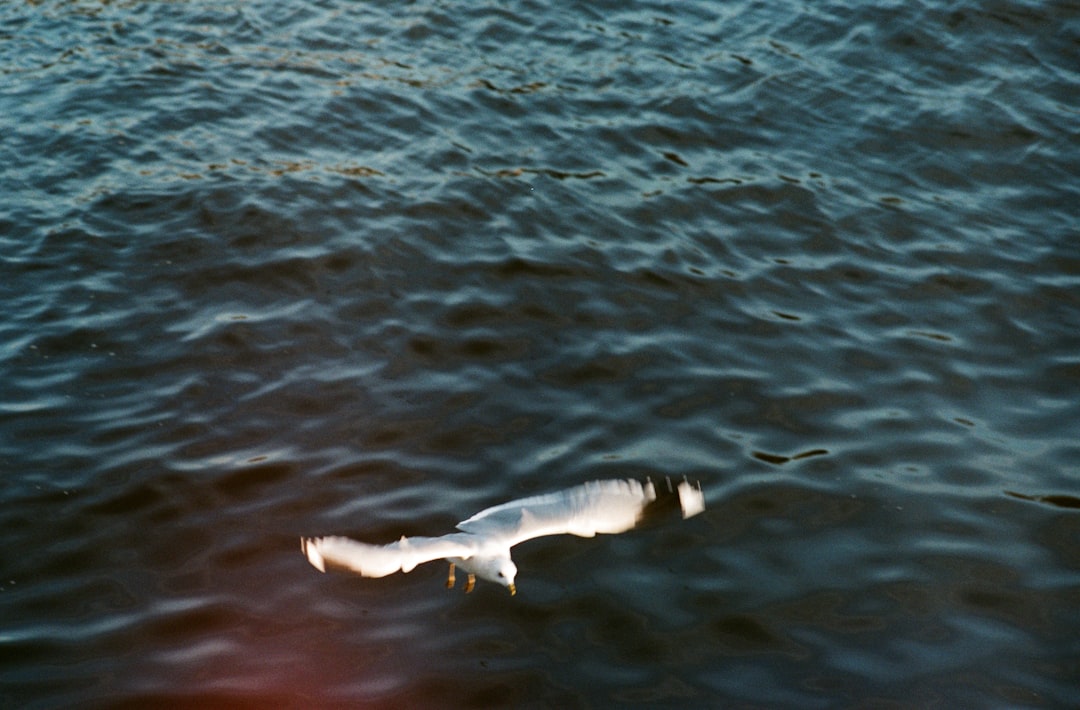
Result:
x=282 y=268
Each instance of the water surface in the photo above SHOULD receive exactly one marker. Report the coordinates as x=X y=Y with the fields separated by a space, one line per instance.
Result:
x=281 y=268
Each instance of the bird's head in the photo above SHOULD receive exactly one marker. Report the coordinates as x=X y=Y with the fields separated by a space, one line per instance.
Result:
x=500 y=570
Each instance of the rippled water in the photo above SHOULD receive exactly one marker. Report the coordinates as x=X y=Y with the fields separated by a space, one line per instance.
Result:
x=282 y=268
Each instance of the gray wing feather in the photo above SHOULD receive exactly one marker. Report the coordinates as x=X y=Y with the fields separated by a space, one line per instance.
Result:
x=585 y=510
x=381 y=560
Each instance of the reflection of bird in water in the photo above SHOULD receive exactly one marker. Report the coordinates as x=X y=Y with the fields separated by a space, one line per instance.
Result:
x=483 y=547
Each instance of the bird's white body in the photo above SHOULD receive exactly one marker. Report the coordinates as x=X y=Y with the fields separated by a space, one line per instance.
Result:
x=482 y=548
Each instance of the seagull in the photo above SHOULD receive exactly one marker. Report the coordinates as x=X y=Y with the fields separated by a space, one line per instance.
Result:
x=482 y=547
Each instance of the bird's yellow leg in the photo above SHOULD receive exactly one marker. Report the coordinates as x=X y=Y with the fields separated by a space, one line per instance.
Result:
x=450 y=580
x=471 y=583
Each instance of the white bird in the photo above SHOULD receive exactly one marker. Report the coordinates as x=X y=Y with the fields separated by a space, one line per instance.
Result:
x=482 y=548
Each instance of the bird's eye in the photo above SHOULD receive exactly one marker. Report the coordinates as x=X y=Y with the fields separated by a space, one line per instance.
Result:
x=501 y=574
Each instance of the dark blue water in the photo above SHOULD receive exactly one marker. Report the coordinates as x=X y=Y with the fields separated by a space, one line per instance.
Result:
x=281 y=268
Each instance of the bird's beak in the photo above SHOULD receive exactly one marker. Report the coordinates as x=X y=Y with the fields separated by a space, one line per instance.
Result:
x=513 y=590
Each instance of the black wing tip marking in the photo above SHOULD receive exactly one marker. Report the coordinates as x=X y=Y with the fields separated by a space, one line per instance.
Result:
x=685 y=499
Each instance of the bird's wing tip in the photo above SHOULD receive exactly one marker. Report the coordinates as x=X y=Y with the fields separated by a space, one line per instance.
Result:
x=310 y=547
x=691 y=500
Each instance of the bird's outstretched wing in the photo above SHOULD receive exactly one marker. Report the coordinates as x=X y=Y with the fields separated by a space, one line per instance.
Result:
x=381 y=560
x=585 y=510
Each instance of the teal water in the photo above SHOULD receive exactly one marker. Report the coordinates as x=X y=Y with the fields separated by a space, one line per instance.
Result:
x=274 y=269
